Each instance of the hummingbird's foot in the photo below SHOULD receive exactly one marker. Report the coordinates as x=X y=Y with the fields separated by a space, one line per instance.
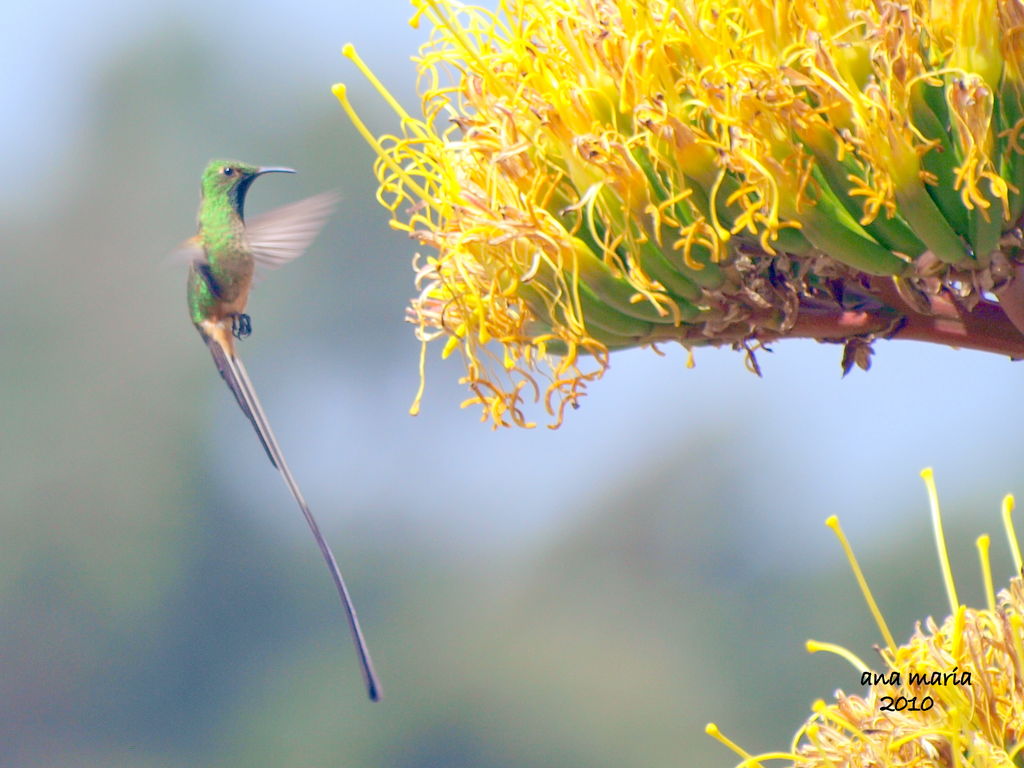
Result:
x=241 y=325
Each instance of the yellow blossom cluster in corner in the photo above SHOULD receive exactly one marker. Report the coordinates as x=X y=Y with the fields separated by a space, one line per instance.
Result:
x=950 y=697
x=592 y=175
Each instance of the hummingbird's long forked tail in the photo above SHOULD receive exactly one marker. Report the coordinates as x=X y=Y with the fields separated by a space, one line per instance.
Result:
x=237 y=378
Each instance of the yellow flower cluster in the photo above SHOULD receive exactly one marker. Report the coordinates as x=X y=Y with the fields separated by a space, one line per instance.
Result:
x=953 y=695
x=590 y=175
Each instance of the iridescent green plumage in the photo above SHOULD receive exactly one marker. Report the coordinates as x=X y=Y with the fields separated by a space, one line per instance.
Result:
x=223 y=259
x=225 y=274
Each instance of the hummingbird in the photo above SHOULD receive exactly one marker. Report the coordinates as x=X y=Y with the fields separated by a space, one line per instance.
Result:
x=223 y=258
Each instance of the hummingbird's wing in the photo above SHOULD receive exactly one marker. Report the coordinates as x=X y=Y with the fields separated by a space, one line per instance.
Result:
x=275 y=237
x=237 y=378
x=186 y=252
x=283 y=234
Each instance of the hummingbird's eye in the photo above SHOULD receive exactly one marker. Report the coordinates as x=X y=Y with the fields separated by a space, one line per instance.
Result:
x=227 y=170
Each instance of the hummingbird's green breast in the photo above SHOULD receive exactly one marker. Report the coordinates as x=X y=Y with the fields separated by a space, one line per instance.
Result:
x=219 y=286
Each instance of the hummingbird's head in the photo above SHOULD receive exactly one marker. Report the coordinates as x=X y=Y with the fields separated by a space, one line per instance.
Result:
x=230 y=180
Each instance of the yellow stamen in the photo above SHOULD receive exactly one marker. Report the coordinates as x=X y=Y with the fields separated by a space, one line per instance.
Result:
x=959 y=617
x=945 y=733
x=953 y=715
x=1011 y=536
x=1017 y=625
x=833 y=523
x=349 y=52
x=414 y=409
x=983 y=543
x=340 y=93
x=712 y=730
x=457 y=34
x=831 y=715
x=1012 y=754
x=815 y=646
x=812 y=731
x=928 y=476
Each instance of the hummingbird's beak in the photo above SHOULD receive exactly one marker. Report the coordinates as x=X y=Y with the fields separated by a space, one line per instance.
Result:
x=263 y=170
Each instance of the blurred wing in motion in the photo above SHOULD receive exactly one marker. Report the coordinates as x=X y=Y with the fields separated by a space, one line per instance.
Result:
x=283 y=234
x=187 y=252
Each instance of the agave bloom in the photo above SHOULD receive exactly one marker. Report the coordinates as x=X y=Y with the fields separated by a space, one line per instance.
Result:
x=953 y=695
x=592 y=175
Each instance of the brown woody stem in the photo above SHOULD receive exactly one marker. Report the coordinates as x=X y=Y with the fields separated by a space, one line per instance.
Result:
x=986 y=327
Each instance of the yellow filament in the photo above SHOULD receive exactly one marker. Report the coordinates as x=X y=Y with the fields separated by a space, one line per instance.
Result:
x=983 y=544
x=456 y=34
x=414 y=409
x=812 y=731
x=722 y=232
x=349 y=52
x=1012 y=754
x=833 y=523
x=928 y=475
x=1017 y=627
x=339 y=91
x=830 y=714
x=816 y=646
x=1011 y=536
x=954 y=737
x=712 y=730
x=959 y=618
x=897 y=743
